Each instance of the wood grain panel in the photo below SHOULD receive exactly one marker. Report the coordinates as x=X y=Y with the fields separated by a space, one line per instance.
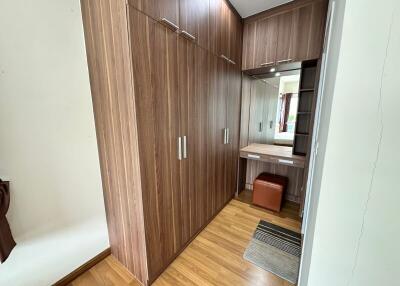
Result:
x=266 y=41
x=186 y=93
x=284 y=51
x=110 y=70
x=156 y=9
x=198 y=132
x=155 y=58
x=233 y=101
x=194 y=19
x=222 y=94
x=317 y=33
x=214 y=134
x=235 y=38
x=215 y=25
x=249 y=45
x=290 y=32
x=223 y=40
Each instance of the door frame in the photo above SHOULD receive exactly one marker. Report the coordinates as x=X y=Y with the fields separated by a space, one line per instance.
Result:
x=310 y=193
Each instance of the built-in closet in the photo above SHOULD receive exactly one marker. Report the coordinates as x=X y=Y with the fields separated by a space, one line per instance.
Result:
x=174 y=105
x=166 y=85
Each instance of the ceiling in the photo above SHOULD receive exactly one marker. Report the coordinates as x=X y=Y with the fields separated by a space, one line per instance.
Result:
x=247 y=8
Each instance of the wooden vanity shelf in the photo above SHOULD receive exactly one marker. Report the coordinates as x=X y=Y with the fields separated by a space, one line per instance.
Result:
x=272 y=154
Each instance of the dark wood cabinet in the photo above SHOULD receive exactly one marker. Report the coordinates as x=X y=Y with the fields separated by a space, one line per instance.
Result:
x=292 y=32
x=233 y=100
x=155 y=70
x=285 y=49
x=266 y=37
x=163 y=104
x=225 y=32
x=194 y=21
x=158 y=10
x=212 y=24
x=235 y=37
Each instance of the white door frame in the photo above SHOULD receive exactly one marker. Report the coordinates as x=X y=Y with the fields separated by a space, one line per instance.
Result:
x=314 y=144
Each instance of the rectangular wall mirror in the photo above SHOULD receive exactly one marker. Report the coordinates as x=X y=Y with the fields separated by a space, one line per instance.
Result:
x=274 y=102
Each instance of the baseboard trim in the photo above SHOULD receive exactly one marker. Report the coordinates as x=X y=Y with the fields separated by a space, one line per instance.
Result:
x=82 y=269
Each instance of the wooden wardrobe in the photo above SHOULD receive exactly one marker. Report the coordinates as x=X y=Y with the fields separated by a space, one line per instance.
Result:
x=166 y=94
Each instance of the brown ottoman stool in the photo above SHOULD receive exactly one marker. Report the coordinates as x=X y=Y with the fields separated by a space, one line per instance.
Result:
x=268 y=191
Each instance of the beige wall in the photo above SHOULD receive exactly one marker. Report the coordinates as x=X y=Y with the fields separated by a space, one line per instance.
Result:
x=357 y=226
x=48 y=146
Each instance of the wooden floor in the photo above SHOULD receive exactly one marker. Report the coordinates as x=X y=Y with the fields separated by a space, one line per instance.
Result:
x=215 y=257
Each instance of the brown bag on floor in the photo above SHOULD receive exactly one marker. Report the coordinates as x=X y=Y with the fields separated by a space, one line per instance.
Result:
x=7 y=242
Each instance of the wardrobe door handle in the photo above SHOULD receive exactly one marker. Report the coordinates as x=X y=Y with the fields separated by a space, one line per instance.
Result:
x=224 y=57
x=284 y=61
x=169 y=24
x=227 y=59
x=260 y=127
x=184 y=147
x=227 y=135
x=267 y=64
x=179 y=148
x=224 y=136
x=188 y=35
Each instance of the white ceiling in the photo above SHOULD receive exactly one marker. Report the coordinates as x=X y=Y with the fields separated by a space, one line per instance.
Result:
x=247 y=8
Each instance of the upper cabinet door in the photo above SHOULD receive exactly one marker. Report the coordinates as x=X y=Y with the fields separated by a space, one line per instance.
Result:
x=189 y=18
x=284 y=51
x=309 y=29
x=295 y=33
x=223 y=37
x=317 y=31
x=235 y=37
x=219 y=27
x=194 y=21
x=301 y=34
x=164 y=10
x=266 y=37
x=249 y=45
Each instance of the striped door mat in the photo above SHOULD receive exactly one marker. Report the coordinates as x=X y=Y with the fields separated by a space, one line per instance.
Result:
x=276 y=250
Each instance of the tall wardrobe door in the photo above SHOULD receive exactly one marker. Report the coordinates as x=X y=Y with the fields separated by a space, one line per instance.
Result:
x=186 y=93
x=233 y=124
x=154 y=57
x=193 y=90
x=222 y=94
x=198 y=131
x=216 y=125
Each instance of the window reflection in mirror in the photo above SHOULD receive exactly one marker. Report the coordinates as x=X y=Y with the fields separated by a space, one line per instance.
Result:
x=287 y=109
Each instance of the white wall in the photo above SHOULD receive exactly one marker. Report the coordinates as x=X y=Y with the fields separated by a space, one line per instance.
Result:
x=356 y=223
x=48 y=146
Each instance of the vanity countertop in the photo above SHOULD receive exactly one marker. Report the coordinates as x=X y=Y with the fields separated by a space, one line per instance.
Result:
x=272 y=154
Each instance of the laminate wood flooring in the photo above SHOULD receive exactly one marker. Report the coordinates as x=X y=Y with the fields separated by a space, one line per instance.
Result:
x=215 y=257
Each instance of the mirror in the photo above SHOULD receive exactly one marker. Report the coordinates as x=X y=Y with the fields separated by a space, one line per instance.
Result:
x=273 y=108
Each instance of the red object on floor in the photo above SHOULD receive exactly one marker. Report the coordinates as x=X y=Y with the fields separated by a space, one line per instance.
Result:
x=268 y=191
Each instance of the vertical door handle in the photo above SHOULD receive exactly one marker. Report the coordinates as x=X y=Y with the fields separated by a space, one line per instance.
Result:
x=224 y=136
x=179 y=148
x=271 y=124
x=227 y=136
x=260 y=127
x=184 y=147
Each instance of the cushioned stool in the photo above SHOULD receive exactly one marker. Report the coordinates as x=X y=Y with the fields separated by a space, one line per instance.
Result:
x=268 y=191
